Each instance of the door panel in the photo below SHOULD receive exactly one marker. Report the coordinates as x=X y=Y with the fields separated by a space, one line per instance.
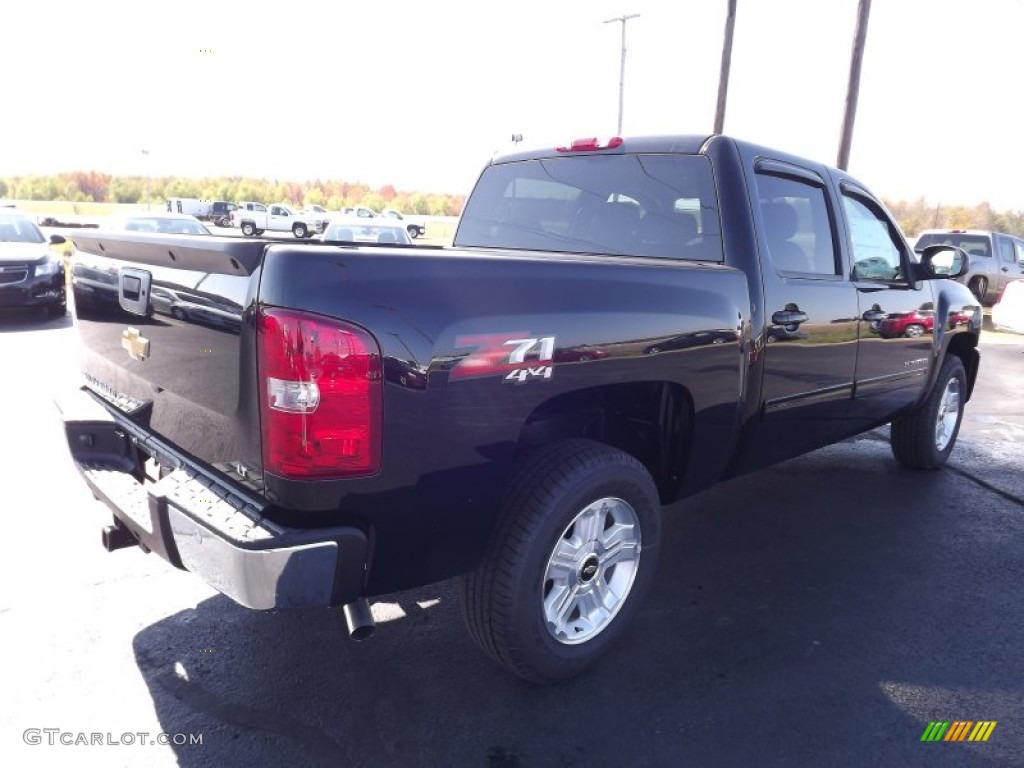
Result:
x=896 y=317
x=810 y=338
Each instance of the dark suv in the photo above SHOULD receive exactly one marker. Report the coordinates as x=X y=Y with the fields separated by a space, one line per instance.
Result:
x=220 y=213
x=994 y=258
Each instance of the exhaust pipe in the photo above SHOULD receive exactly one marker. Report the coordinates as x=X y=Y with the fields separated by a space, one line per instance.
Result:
x=359 y=619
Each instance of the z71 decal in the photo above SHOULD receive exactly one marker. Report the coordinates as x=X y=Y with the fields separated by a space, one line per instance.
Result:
x=519 y=357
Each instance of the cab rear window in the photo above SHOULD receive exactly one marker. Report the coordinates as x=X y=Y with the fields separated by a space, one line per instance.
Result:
x=653 y=205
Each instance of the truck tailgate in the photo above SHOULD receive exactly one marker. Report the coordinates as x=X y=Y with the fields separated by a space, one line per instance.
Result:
x=162 y=329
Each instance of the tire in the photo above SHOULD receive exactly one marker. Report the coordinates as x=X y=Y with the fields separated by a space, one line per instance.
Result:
x=300 y=231
x=979 y=287
x=414 y=232
x=924 y=438
x=508 y=603
x=913 y=330
x=248 y=229
x=178 y=313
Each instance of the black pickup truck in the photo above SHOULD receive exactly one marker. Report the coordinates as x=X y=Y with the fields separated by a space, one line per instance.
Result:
x=617 y=325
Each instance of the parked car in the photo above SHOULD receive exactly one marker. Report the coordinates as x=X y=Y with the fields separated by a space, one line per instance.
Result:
x=31 y=274
x=918 y=322
x=349 y=229
x=361 y=211
x=909 y=324
x=415 y=227
x=1008 y=311
x=221 y=213
x=164 y=223
x=994 y=258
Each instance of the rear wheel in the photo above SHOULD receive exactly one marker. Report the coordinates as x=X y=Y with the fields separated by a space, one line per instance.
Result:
x=572 y=557
x=924 y=438
x=979 y=287
x=248 y=229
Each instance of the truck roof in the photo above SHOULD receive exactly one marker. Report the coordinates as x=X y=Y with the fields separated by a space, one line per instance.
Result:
x=690 y=144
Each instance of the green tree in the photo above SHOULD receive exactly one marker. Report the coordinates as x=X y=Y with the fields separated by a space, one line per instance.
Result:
x=313 y=197
x=437 y=205
x=418 y=204
x=127 y=190
x=373 y=200
x=399 y=202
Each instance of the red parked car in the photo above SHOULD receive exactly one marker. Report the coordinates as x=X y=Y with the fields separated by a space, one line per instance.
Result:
x=916 y=323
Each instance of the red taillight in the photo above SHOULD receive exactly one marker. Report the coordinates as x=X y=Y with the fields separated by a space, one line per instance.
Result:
x=320 y=396
x=588 y=145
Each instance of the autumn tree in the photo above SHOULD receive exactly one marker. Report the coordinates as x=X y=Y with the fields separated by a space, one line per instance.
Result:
x=373 y=200
x=127 y=190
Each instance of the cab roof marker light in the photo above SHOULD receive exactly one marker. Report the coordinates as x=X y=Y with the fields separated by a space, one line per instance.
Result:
x=591 y=144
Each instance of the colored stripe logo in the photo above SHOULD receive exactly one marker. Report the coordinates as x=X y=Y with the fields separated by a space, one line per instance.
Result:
x=958 y=730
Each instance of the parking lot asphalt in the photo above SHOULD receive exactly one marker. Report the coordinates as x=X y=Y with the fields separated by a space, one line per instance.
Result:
x=821 y=612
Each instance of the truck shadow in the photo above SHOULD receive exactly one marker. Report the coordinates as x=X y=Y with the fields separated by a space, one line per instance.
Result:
x=818 y=613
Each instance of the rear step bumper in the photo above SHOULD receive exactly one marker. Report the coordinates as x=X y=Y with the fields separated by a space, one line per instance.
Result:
x=197 y=522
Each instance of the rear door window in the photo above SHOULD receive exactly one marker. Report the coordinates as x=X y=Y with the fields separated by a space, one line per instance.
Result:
x=796 y=225
x=1018 y=247
x=1007 y=256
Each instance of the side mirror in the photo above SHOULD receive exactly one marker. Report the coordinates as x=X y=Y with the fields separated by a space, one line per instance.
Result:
x=57 y=239
x=942 y=261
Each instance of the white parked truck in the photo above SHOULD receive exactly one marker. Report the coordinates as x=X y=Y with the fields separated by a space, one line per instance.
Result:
x=257 y=218
x=413 y=224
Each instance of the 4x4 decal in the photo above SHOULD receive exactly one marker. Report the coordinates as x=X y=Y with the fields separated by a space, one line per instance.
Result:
x=519 y=357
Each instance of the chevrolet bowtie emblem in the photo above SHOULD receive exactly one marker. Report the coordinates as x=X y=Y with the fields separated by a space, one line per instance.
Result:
x=136 y=344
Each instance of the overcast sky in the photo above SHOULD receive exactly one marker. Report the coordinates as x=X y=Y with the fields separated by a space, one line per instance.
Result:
x=419 y=94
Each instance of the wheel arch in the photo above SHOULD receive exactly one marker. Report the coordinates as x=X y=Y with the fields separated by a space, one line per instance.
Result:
x=650 y=420
x=965 y=346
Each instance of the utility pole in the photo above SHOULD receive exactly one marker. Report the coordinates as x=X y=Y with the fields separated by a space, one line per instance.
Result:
x=622 y=64
x=723 y=78
x=146 y=153
x=853 y=89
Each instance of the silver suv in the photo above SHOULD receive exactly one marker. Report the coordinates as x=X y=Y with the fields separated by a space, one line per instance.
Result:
x=995 y=258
